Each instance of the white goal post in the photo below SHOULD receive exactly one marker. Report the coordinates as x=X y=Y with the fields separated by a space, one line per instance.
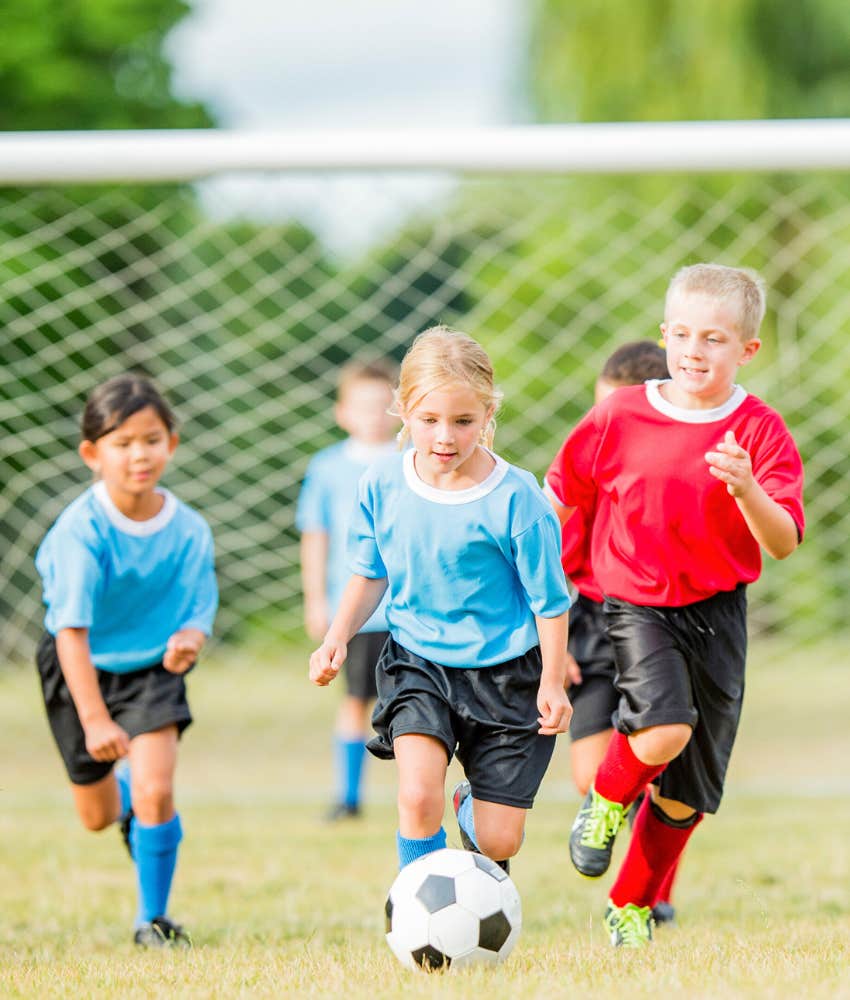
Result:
x=118 y=156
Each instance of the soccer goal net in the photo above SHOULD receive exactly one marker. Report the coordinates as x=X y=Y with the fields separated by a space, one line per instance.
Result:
x=241 y=294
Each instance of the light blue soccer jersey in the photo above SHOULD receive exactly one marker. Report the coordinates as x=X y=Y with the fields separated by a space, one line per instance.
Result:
x=467 y=570
x=132 y=584
x=326 y=503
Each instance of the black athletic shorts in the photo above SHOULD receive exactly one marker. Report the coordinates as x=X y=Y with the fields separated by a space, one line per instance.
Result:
x=487 y=715
x=140 y=701
x=684 y=665
x=595 y=700
x=364 y=651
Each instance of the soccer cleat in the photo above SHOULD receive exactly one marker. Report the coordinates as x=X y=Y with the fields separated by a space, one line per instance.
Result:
x=664 y=913
x=593 y=833
x=161 y=933
x=629 y=926
x=341 y=810
x=124 y=826
x=462 y=790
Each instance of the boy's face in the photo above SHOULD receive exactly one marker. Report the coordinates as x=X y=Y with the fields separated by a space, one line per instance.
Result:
x=361 y=411
x=704 y=350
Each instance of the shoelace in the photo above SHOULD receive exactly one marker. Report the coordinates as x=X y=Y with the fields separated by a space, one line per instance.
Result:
x=601 y=825
x=632 y=926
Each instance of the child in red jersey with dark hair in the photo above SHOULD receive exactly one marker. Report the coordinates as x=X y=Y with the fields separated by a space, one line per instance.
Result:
x=686 y=480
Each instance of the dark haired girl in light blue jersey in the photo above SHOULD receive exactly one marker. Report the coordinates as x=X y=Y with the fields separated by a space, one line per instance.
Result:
x=130 y=590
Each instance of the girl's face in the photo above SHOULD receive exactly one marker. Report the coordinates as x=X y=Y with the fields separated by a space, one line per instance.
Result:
x=131 y=459
x=446 y=427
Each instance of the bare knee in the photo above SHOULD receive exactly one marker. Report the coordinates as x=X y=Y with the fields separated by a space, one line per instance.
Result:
x=500 y=844
x=153 y=799
x=96 y=815
x=421 y=804
x=660 y=744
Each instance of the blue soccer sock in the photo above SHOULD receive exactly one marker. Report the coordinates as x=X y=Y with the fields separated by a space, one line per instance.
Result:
x=350 y=755
x=466 y=820
x=122 y=776
x=155 y=854
x=409 y=849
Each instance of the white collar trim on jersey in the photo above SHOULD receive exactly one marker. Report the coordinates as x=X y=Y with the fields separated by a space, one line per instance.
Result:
x=360 y=451
x=126 y=524
x=658 y=402
x=454 y=497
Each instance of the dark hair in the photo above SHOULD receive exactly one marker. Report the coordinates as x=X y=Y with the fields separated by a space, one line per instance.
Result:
x=636 y=362
x=113 y=402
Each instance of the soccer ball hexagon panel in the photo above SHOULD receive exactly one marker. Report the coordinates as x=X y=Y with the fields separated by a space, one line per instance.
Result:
x=452 y=908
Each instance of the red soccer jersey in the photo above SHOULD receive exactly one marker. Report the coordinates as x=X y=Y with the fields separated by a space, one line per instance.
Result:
x=575 y=555
x=665 y=531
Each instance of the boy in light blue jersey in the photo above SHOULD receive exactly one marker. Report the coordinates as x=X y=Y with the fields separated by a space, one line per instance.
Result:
x=325 y=505
x=468 y=552
x=130 y=589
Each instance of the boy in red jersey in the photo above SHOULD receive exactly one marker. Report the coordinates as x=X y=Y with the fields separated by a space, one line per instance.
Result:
x=686 y=481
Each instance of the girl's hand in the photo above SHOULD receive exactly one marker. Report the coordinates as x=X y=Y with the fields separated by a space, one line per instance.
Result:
x=731 y=465
x=182 y=650
x=555 y=710
x=106 y=740
x=326 y=661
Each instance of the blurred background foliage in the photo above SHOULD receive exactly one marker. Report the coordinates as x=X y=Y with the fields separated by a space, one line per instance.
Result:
x=88 y=285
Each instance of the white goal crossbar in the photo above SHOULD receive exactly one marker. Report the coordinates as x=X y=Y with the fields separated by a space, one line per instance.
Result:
x=31 y=158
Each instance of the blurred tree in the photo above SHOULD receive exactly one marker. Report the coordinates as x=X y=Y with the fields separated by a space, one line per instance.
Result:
x=689 y=59
x=90 y=64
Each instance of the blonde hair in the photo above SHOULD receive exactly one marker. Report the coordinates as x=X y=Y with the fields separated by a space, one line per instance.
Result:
x=733 y=284
x=439 y=357
x=380 y=370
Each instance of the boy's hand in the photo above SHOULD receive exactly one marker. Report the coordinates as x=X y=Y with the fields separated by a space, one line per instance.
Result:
x=106 y=740
x=731 y=465
x=326 y=661
x=573 y=670
x=182 y=650
x=555 y=710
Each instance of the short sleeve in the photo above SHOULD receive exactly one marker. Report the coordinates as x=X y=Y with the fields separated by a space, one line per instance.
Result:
x=778 y=469
x=71 y=574
x=537 y=555
x=364 y=557
x=570 y=477
x=205 y=604
x=313 y=510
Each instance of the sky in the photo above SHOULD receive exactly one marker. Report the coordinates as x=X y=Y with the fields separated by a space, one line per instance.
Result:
x=260 y=64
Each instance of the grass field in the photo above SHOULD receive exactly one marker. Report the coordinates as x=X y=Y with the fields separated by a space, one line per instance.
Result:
x=281 y=904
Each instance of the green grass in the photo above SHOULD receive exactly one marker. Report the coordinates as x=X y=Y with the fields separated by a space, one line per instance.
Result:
x=282 y=905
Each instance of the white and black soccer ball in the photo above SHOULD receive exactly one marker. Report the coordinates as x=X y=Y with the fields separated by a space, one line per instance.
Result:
x=452 y=908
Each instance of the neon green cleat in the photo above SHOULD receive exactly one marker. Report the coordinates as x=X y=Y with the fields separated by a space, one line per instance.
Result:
x=630 y=926
x=593 y=833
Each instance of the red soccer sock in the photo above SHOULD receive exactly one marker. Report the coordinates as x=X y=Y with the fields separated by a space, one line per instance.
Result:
x=621 y=776
x=654 y=849
x=665 y=890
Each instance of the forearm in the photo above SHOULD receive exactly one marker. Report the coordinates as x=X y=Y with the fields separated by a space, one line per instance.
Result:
x=359 y=599
x=314 y=559
x=553 y=634
x=72 y=648
x=771 y=525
